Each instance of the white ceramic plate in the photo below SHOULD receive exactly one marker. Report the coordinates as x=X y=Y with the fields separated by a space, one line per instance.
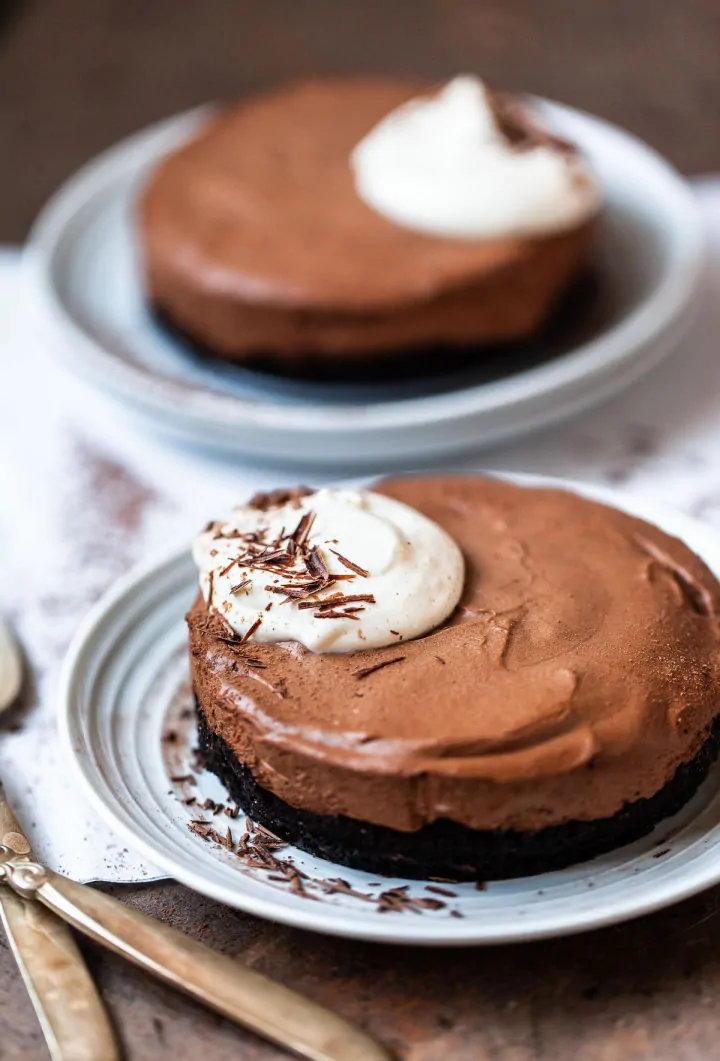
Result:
x=84 y=264
x=126 y=680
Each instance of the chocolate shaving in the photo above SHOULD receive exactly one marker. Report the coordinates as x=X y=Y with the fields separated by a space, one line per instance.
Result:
x=336 y=615
x=350 y=565
x=280 y=557
x=241 y=585
x=266 y=833
x=316 y=564
x=211 y=581
x=338 y=886
x=340 y=599
x=365 y=671
x=297 y=591
x=398 y=899
x=277 y=498
x=250 y=631
x=273 y=845
x=428 y=904
x=298 y=538
x=282 y=589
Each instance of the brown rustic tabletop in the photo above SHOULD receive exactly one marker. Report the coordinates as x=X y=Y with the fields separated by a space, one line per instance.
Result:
x=77 y=74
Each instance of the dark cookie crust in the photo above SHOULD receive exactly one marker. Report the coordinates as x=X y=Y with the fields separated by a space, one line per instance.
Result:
x=445 y=848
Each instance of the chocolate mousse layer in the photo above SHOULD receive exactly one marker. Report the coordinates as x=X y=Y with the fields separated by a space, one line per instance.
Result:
x=576 y=677
x=256 y=244
x=443 y=849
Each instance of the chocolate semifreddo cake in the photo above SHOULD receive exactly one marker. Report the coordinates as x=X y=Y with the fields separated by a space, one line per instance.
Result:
x=280 y=235
x=564 y=703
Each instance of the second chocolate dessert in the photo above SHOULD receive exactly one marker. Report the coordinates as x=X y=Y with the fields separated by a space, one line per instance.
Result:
x=355 y=221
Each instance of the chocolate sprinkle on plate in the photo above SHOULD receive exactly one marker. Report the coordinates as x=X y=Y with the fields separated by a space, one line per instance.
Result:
x=256 y=850
x=440 y=891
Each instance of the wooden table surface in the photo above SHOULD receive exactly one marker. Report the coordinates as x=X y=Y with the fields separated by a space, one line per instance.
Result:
x=77 y=74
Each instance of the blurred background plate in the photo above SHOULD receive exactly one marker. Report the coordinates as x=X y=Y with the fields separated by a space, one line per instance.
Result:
x=83 y=261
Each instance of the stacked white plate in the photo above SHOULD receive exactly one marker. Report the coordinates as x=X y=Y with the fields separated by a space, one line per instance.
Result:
x=84 y=265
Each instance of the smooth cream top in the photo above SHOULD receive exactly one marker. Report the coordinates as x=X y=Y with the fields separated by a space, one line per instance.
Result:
x=441 y=165
x=336 y=570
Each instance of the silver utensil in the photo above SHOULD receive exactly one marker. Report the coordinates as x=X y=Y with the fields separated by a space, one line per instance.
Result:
x=65 y=999
x=267 y=1007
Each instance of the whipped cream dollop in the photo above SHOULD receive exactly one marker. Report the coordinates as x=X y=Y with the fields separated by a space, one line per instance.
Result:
x=441 y=164
x=336 y=570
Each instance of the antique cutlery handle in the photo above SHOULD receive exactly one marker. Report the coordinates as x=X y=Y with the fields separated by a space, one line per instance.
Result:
x=267 y=1007
x=71 y=1014
x=65 y=999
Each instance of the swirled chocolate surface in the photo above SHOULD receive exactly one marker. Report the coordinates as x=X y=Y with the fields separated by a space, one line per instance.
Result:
x=578 y=671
